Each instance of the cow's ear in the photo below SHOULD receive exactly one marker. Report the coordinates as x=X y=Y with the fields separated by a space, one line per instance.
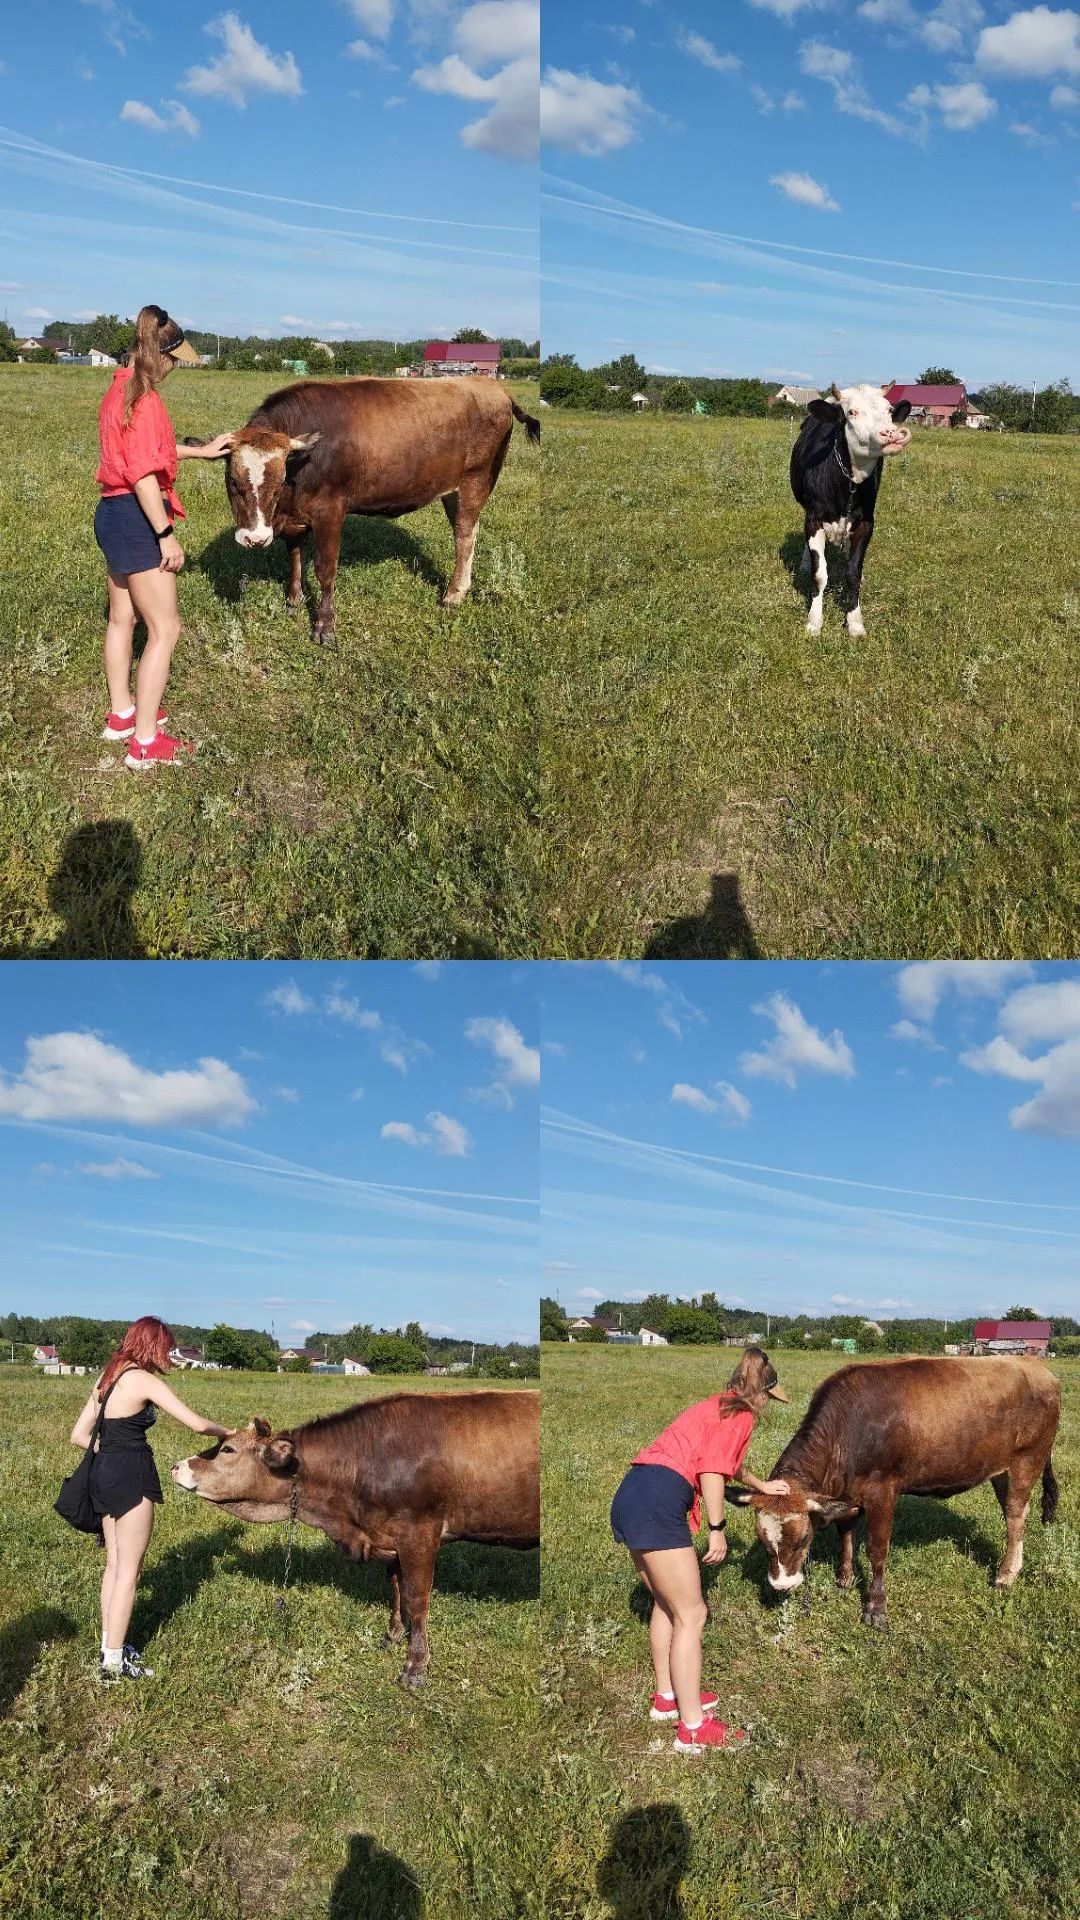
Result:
x=280 y=1455
x=259 y=1427
x=738 y=1496
x=901 y=410
x=828 y=1510
x=826 y=410
x=303 y=442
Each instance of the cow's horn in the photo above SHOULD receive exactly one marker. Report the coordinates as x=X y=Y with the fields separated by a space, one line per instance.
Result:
x=888 y=387
x=835 y=391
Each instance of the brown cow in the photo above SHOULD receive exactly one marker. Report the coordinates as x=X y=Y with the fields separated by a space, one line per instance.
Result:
x=932 y=1426
x=390 y=1480
x=316 y=451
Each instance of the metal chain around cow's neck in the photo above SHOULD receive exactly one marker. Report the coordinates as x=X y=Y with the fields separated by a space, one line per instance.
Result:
x=290 y=1533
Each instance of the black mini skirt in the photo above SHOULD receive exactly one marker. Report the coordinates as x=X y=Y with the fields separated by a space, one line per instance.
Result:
x=122 y=1476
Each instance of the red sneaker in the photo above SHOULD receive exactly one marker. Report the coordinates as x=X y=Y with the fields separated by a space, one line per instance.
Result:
x=711 y=1733
x=119 y=727
x=666 y=1707
x=163 y=750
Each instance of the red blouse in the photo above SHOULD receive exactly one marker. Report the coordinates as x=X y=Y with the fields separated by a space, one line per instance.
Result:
x=701 y=1441
x=147 y=445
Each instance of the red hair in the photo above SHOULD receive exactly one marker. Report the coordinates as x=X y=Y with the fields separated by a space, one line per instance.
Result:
x=146 y=1344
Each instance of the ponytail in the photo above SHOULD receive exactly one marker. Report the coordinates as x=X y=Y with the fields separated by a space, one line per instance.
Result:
x=155 y=336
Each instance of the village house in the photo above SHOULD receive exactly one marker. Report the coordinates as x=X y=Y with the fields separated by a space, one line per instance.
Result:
x=931 y=406
x=794 y=396
x=456 y=357
x=357 y=1368
x=185 y=1359
x=1012 y=1336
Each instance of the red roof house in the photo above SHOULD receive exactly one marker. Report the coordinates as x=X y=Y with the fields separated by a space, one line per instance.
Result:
x=934 y=406
x=463 y=356
x=1012 y=1336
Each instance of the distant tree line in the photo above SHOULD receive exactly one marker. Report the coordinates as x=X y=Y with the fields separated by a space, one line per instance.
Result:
x=707 y=1322
x=611 y=389
x=235 y=352
x=82 y=1342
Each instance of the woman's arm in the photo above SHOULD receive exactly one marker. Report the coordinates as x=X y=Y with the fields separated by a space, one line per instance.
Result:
x=762 y=1486
x=712 y=1499
x=149 y=496
x=171 y=1403
x=210 y=450
x=84 y=1425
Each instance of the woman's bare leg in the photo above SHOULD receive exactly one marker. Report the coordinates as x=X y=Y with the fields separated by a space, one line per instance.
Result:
x=154 y=597
x=119 y=637
x=674 y=1578
x=133 y=1532
x=661 y=1627
x=108 y=1578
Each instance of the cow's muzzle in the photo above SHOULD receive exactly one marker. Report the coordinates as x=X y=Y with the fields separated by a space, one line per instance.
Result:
x=251 y=537
x=182 y=1476
x=785 y=1582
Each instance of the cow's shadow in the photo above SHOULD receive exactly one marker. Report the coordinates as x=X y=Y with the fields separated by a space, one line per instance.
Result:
x=366 y=542
x=22 y=1643
x=646 y=1858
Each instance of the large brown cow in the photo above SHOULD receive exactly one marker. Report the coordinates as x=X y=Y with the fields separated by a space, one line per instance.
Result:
x=933 y=1426
x=390 y=1480
x=321 y=449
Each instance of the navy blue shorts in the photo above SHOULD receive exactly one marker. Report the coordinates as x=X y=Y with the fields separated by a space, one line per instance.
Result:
x=650 y=1510
x=125 y=535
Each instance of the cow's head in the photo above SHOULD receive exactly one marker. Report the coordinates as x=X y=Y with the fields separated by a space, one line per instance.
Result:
x=251 y=1469
x=259 y=465
x=786 y=1525
x=872 y=427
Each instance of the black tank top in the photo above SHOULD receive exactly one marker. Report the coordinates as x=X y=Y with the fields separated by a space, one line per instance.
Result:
x=128 y=1429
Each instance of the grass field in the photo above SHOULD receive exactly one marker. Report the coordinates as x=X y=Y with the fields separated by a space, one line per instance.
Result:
x=929 y=1772
x=272 y=1770
x=717 y=783
x=376 y=801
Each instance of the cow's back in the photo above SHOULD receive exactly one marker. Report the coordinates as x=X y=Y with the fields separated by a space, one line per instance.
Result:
x=933 y=1422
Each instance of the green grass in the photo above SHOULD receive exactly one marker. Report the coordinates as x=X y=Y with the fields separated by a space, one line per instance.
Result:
x=272 y=1770
x=717 y=783
x=376 y=801
x=925 y=1773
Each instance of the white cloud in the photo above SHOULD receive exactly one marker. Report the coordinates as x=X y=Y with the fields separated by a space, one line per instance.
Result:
x=363 y=50
x=375 y=16
x=304 y=1326
x=516 y=1064
x=582 y=115
x=785 y=9
x=288 y=1094
x=961 y=107
x=836 y=68
x=245 y=66
x=451 y=1137
x=1048 y=1011
x=690 y=1096
x=38 y=313
x=589 y=1293
x=118 y=1169
x=1063 y=98
x=395 y=1045
x=428 y=969
x=1032 y=46
x=177 y=119
x=803 y=188
x=698 y=48
x=922 y=986
x=118 y=23
x=504 y=34
x=674 y=1011
x=735 y=1103
x=77 y=1076
x=288 y=999
x=402 y=1130
x=797 y=1046
x=1032 y=1017
x=948 y=26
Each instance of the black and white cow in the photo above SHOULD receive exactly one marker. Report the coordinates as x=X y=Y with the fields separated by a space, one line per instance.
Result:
x=835 y=476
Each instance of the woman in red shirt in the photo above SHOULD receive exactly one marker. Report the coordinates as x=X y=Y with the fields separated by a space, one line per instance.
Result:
x=134 y=529
x=657 y=1511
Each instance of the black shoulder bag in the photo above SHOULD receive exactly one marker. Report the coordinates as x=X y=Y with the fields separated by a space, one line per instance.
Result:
x=73 y=1503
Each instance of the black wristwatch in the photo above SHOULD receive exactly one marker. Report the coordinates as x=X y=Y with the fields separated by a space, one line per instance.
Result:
x=717 y=1526
x=164 y=534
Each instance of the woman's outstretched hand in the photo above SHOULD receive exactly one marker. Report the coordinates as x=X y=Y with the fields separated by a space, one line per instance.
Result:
x=774 y=1486
x=214 y=449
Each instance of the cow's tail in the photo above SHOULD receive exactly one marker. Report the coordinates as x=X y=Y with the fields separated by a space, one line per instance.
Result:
x=1050 y=1493
x=531 y=426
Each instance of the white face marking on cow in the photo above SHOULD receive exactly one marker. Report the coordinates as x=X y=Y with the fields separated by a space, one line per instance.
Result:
x=772 y=1527
x=870 y=428
x=782 y=1582
x=254 y=465
x=184 y=1477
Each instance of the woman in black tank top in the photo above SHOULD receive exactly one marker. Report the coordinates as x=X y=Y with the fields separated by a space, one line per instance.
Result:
x=124 y=1483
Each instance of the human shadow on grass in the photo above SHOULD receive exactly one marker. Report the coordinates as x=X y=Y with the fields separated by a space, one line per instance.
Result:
x=721 y=931
x=364 y=542
x=22 y=1643
x=375 y=1885
x=97 y=873
x=648 y=1852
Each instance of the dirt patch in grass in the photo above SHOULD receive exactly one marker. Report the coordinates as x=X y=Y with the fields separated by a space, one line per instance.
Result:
x=846 y=1781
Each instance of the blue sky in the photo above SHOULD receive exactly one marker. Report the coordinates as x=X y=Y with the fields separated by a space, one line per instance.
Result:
x=814 y=189
x=814 y=1139
x=151 y=155
x=310 y=1145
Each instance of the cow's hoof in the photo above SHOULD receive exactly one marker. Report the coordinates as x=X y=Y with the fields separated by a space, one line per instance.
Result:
x=874 y=1619
x=845 y=1582
x=451 y=601
x=394 y=1639
x=293 y=606
x=412 y=1678
x=856 y=630
x=813 y=629
x=325 y=637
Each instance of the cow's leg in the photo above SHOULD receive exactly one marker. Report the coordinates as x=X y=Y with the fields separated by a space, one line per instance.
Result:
x=327 y=535
x=860 y=540
x=471 y=496
x=417 y=1562
x=395 y=1632
x=845 y=1573
x=880 y=1507
x=816 y=545
x=294 y=597
x=1013 y=1490
x=450 y=501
